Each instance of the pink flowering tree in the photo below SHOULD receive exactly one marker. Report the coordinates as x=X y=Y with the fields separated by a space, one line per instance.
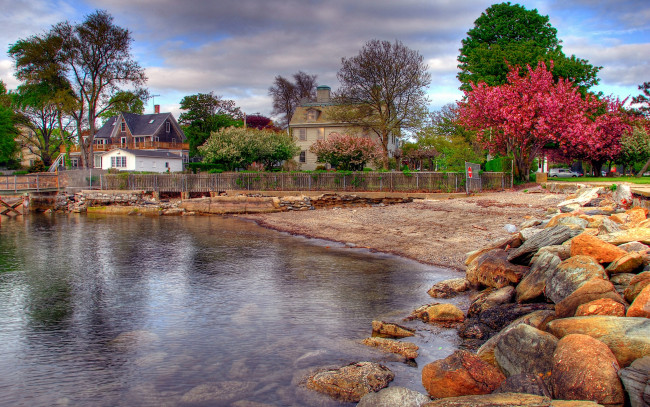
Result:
x=600 y=133
x=346 y=152
x=520 y=117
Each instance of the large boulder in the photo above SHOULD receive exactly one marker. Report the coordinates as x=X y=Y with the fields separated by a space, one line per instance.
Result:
x=638 y=234
x=460 y=374
x=636 y=379
x=571 y=274
x=492 y=269
x=506 y=242
x=603 y=306
x=628 y=263
x=490 y=298
x=394 y=396
x=407 y=349
x=524 y=349
x=493 y=320
x=560 y=250
x=608 y=226
x=350 y=383
x=390 y=330
x=593 y=289
x=584 y=368
x=449 y=288
x=634 y=247
x=637 y=215
x=603 y=252
x=524 y=383
x=636 y=285
x=641 y=305
x=583 y=197
x=549 y=237
x=627 y=338
x=496 y=400
x=536 y=319
x=623 y=195
x=532 y=286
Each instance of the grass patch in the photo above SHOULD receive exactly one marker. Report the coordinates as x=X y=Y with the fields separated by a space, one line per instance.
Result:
x=610 y=180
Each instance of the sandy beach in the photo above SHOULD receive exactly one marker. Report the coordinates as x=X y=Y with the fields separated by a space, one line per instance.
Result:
x=437 y=232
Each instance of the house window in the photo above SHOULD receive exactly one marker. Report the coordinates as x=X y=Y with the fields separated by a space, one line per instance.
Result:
x=98 y=161
x=167 y=127
x=303 y=156
x=321 y=134
x=302 y=134
x=123 y=127
x=123 y=140
x=166 y=164
x=118 y=162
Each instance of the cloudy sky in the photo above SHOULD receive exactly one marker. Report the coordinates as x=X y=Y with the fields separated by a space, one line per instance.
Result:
x=235 y=48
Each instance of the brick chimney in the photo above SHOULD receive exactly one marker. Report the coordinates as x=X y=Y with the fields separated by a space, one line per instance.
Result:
x=156 y=109
x=323 y=94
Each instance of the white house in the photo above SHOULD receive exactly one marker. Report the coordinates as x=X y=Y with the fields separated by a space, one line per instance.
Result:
x=142 y=160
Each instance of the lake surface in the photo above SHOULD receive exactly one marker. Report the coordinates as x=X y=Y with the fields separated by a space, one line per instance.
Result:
x=142 y=311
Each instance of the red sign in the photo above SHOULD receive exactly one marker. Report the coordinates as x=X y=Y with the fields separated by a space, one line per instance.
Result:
x=469 y=172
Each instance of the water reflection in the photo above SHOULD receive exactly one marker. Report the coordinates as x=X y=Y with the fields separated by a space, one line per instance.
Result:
x=101 y=310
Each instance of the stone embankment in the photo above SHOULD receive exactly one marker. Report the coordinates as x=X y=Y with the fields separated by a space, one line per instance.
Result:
x=561 y=318
x=143 y=203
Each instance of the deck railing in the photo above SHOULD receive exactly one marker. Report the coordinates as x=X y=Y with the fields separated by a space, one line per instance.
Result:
x=28 y=182
x=143 y=145
x=331 y=181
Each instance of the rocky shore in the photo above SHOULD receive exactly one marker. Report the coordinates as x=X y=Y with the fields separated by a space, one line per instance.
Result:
x=559 y=316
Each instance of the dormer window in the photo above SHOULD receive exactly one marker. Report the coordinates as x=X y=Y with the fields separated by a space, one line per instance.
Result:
x=151 y=121
x=312 y=114
x=167 y=127
x=123 y=127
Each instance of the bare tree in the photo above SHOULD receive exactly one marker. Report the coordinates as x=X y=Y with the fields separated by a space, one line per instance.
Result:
x=287 y=95
x=383 y=89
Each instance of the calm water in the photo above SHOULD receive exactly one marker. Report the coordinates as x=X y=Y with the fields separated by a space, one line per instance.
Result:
x=130 y=311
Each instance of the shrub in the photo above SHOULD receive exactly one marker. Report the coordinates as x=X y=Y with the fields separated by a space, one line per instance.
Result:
x=346 y=152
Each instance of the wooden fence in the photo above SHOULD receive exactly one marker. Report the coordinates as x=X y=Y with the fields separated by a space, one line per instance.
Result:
x=331 y=181
x=28 y=182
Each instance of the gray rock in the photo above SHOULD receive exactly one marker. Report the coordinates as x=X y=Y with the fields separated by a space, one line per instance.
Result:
x=571 y=274
x=634 y=247
x=530 y=223
x=533 y=284
x=623 y=194
x=449 y=288
x=563 y=251
x=636 y=379
x=489 y=298
x=608 y=226
x=524 y=383
x=394 y=396
x=548 y=237
x=218 y=392
x=528 y=233
x=524 y=349
x=573 y=221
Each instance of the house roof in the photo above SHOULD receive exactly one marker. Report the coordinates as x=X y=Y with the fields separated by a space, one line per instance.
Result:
x=147 y=153
x=139 y=124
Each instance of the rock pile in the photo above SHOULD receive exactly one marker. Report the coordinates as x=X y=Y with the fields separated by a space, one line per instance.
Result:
x=564 y=312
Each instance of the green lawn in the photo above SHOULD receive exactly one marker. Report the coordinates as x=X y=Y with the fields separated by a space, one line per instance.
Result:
x=610 y=180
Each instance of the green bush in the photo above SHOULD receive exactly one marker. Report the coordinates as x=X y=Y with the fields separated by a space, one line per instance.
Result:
x=204 y=167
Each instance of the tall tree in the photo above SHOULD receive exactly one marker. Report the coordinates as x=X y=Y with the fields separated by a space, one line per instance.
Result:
x=287 y=94
x=8 y=127
x=520 y=117
x=205 y=113
x=383 y=89
x=95 y=59
x=508 y=35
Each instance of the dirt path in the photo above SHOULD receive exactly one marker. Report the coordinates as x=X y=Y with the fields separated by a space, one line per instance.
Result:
x=438 y=232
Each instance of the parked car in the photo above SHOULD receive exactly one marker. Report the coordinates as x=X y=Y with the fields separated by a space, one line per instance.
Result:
x=563 y=173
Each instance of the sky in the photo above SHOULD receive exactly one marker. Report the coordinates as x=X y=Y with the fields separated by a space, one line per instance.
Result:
x=235 y=48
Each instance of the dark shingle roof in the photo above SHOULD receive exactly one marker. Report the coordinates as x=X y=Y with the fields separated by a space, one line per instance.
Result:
x=139 y=124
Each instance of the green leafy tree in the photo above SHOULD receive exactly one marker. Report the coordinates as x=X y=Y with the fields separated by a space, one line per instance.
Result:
x=383 y=89
x=43 y=108
x=508 y=35
x=8 y=128
x=206 y=113
x=237 y=147
x=126 y=101
x=454 y=143
x=93 y=58
x=643 y=99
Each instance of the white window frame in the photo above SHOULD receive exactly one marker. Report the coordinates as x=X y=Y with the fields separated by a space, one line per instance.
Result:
x=303 y=157
x=168 y=127
x=118 y=162
x=302 y=134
